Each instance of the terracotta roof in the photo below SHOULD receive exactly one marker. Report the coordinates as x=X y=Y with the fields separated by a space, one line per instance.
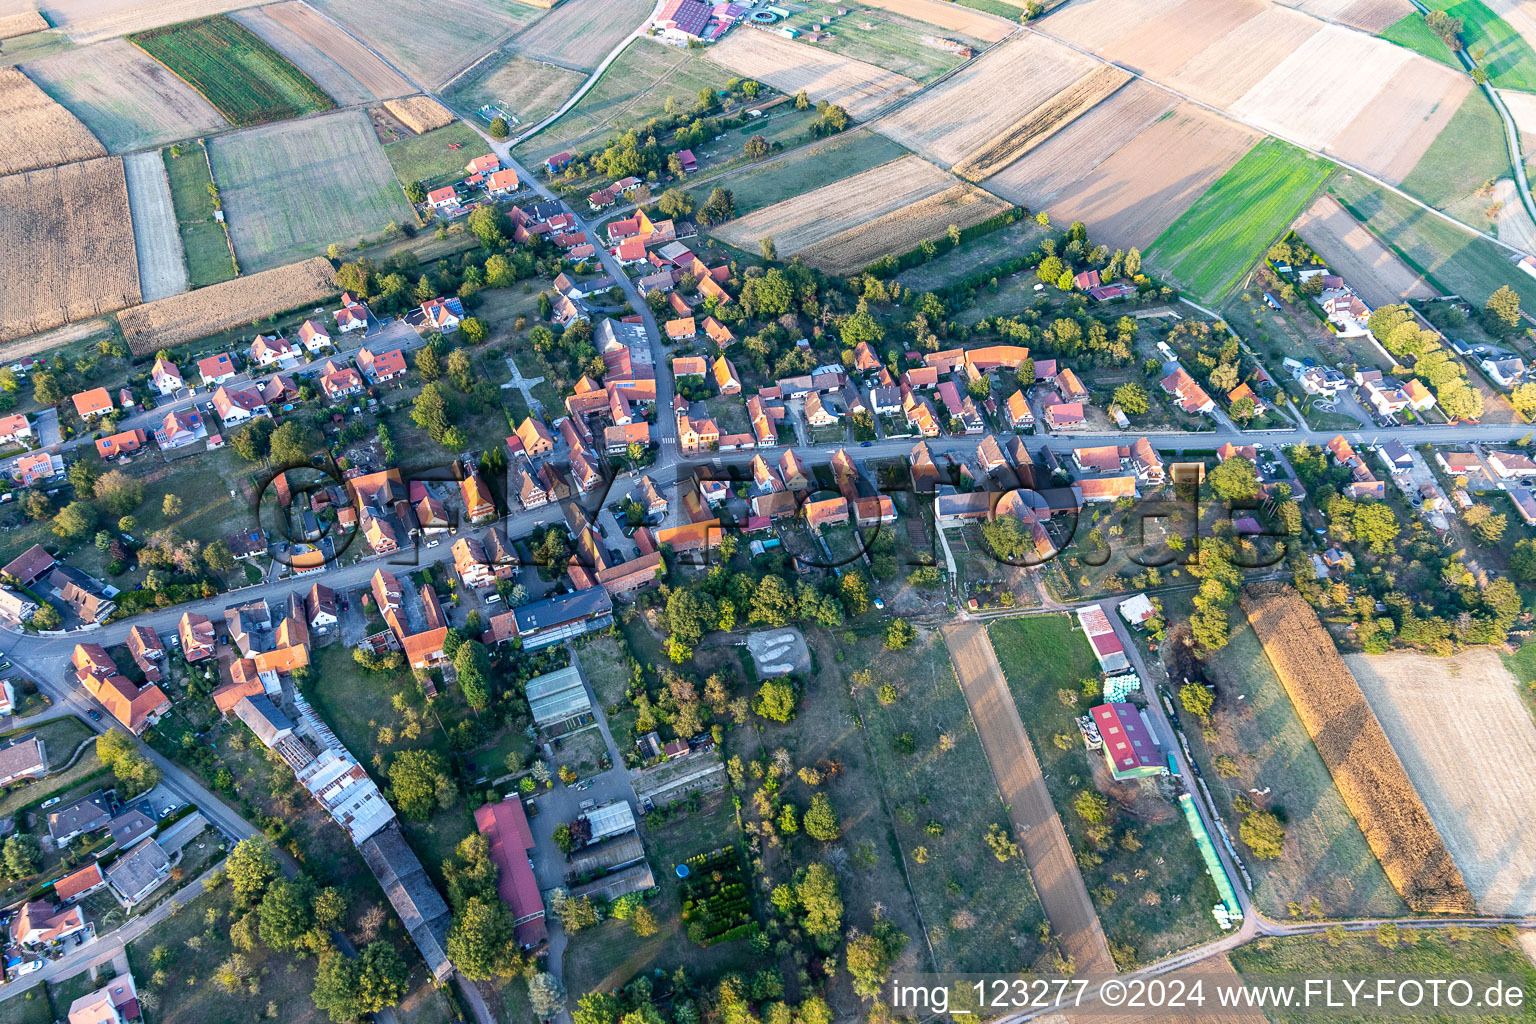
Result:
x=93 y=402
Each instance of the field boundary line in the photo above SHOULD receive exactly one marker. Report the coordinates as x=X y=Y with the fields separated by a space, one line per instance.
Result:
x=1234 y=117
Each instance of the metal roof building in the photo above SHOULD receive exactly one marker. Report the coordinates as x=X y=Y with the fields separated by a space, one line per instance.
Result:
x=557 y=696
x=611 y=819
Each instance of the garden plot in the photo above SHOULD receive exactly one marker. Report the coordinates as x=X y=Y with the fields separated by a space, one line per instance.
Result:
x=789 y=67
x=338 y=63
x=67 y=251
x=1372 y=16
x=126 y=98
x=1358 y=256
x=803 y=221
x=429 y=49
x=949 y=15
x=984 y=100
x=38 y=131
x=292 y=189
x=1134 y=194
x=1467 y=741
x=162 y=266
x=580 y=33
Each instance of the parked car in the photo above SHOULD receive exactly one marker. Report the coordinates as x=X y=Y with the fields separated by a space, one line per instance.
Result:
x=94 y=715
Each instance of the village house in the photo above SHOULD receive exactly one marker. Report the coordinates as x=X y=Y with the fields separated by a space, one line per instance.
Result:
x=338 y=381
x=165 y=378
x=1190 y=396
x=269 y=351
x=197 y=636
x=15 y=429
x=314 y=337
x=816 y=412
x=381 y=367
x=352 y=316
x=217 y=369
x=439 y=315
x=121 y=443
x=93 y=403
x=238 y=405
x=536 y=438
x=179 y=429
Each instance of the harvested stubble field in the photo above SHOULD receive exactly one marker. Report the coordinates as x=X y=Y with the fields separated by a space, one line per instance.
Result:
x=1442 y=715
x=1359 y=256
x=38 y=132
x=949 y=15
x=67 y=251
x=1042 y=122
x=1235 y=62
x=227 y=306
x=93 y=21
x=291 y=189
x=1394 y=132
x=526 y=89
x=816 y=216
x=127 y=99
x=962 y=205
x=25 y=23
x=789 y=66
x=1213 y=244
x=245 y=79
x=430 y=50
x=579 y=33
x=982 y=101
x=337 y=62
x=1131 y=196
x=421 y=114
x=1366 y=769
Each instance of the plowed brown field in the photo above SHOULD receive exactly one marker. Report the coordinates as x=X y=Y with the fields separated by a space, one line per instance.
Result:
x=67 y=251
x=338 y=63
x=1358 y=256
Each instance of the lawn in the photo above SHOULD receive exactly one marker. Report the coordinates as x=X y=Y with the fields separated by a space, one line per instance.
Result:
x=634 y=89
x=1455 y=260
x=527 y=89
x=1149 y=905
x=981 y=914
x=1325 y=855
x=1434 y=955
x=30 y=1007
x=801 y=170
x=974 y=255
x=1470 y=151
x=1213 y=244
x=1410 y=31
x=290 y=190
x=430 y=160
x=245 y=79
x=1510 y=60
x=208 y=257
x=883 y=38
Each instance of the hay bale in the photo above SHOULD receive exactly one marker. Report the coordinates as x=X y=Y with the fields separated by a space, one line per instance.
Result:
x=421 y=114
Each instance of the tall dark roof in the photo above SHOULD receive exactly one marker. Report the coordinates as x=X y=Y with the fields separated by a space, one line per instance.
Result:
x=421 y=907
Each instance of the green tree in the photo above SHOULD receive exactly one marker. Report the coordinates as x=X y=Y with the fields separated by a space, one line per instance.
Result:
x=1502 y=311
x=490 y=226
x=546 y=996
x=416 y=192
x=776 y=700
x=596 y=1008
x=122 y=755
x=481 y=943
x=1197 y=700
x=821 y=821
x=675 y=203
x=337 y=981
x=251 y=867
x=285 y=914
x=23 y=856
x=1263 y=834
x=117 y=493
x=1132 y=398
x=429 y=365
x=1234 y=480
x=46 y=389
x=253 y=441
x=899 y=635
x=421 y=783
x=383 y=977
x=1522 y=561
x=472 y=663
x=818 y=896
x=497 y=129
x=292 y=444
x=474 y=331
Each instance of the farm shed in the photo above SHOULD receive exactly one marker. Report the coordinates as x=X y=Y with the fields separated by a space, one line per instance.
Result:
x=1101 y=635
x=558 y=697
x=615 y=853
x=621 y=883
x=1128 y=748
x=611 y=820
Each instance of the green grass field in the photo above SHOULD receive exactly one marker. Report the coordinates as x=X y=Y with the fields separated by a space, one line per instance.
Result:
x=758 y=185
x=1434 y=955
x=1154 y=905
x=1456 y=260
x=292 y=189
x=883 y=38
x=1468 y=152
x=208 y=258
x=427 y=158
x=1218 y=238
x=1510 y=61
x=634 y=89
x=1410 y=31
x=245 y=79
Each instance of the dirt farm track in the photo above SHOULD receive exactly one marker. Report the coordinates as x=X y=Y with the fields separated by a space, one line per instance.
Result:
x=1460 y=730
x=162 y=266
